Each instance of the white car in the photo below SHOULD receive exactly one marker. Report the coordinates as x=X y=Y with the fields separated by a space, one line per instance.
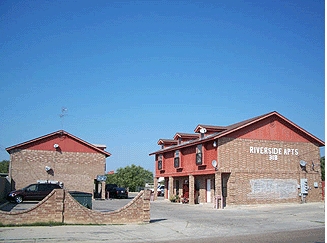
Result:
x=161 y=190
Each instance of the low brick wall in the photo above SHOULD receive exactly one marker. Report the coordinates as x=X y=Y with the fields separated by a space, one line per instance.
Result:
x=136 y=211
x=60 y=207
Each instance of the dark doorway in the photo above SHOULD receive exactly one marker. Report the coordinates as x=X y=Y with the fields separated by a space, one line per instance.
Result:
x=224 y=182
x=177 y=187
x=186 y=193
x=197 y=190
x=97 y=189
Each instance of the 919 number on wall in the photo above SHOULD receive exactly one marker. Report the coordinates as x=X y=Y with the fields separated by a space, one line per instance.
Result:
x=273 y=157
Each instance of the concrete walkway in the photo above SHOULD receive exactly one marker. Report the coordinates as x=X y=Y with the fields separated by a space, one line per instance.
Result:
x=176 y=222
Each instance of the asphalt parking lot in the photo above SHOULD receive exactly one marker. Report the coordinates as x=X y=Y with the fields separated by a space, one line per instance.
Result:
x=99 y=205
x=174 y=222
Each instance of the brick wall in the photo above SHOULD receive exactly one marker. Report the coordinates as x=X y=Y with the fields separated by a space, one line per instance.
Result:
x=255 y=178
x=59 y=206
x=76 y=170
x=48 y=210
x=202 y=188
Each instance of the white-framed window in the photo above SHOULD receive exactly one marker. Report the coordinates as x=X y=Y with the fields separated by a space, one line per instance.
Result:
x=177 y=159
x=198 y=160
x=160 y=162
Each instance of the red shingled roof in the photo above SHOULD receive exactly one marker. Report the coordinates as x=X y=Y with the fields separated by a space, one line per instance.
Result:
x=210 y=128
x=167 y=141
x=186 y=135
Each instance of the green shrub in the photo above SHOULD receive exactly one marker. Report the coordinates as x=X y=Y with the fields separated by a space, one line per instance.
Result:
x=174 y=198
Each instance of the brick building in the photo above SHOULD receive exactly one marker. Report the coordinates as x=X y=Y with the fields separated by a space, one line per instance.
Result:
x=266 y=159
x=61 y=157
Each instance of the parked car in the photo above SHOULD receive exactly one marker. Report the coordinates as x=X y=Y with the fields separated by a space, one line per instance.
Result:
x=33 y=192
x=111 y=189
x=121 y=192
x=116 y=192
x=161 y=190
x=149 y=186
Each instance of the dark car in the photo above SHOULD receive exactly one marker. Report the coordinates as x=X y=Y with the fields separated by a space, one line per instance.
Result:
x=33 y=192
x=111 y=190
x=116 y=192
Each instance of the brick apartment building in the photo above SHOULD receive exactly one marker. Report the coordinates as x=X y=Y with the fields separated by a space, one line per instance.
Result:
x=266 y=159
x=61 y=157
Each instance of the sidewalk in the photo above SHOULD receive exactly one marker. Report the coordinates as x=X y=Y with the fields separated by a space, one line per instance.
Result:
x=173 y=221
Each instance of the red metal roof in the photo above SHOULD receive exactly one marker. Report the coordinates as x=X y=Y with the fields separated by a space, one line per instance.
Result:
x=60 y=132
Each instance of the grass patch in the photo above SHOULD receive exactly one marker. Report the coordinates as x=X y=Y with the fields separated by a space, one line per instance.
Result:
x=50 y=224
x=33 y=224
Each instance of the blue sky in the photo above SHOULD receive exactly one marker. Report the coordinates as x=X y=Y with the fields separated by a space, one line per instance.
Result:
x=131 y=72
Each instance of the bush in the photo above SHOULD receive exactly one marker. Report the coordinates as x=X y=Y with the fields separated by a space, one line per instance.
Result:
x=174 y=198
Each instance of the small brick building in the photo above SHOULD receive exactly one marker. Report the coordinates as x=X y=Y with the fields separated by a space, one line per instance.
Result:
x=266 y=159
x=58 y=156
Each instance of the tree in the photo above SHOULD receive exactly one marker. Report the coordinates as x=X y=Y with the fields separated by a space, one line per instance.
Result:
x=322 y=166
x=4 y=166
x=130 y=177
x=111 y=179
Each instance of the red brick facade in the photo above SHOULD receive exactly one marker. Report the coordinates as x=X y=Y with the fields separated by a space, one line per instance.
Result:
x=258 y=162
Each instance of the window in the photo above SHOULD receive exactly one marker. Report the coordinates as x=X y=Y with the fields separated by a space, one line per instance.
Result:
x=44 y=187
x=176 y=159
x=199 y=154
x=32 y=188
x=160 y=162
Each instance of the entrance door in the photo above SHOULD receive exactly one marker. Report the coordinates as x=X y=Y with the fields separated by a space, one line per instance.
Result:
x=185 y=190
x=208 y=190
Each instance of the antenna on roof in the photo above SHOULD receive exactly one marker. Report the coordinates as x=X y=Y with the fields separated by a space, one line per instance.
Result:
x=62 y=115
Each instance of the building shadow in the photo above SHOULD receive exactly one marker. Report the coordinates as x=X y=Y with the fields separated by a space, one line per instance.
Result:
x=156 y=220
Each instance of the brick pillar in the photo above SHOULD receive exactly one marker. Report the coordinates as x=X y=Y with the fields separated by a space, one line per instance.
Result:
x=218 y=189
x=171 y=186
x=191 y=189
x=59 y=205
x=146 y=206
x=103 y=190
x=155 y=182
x=166 y=188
